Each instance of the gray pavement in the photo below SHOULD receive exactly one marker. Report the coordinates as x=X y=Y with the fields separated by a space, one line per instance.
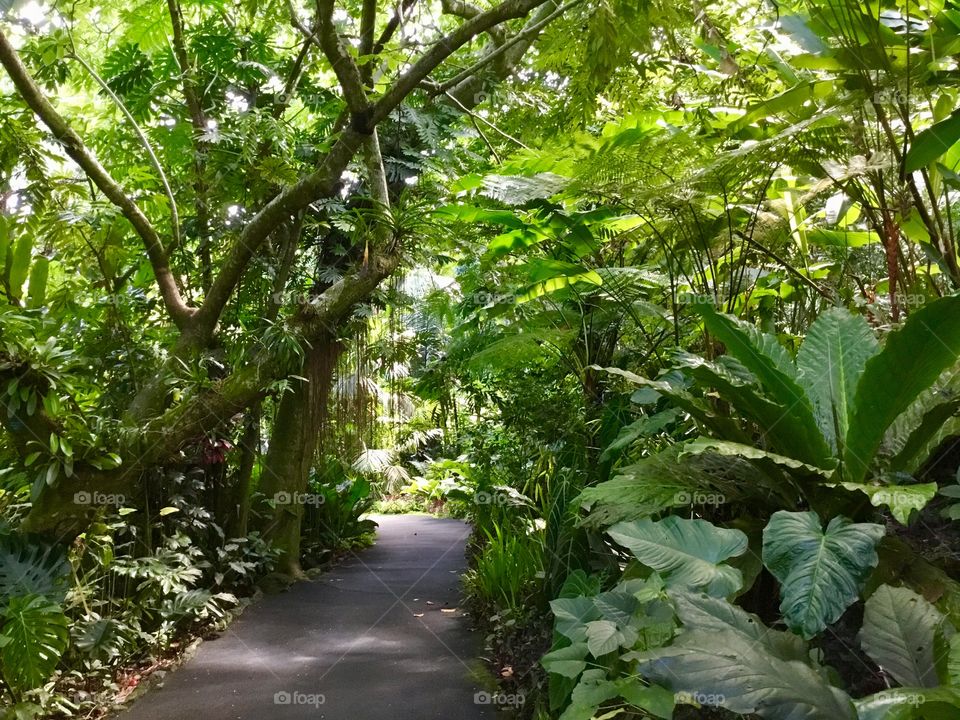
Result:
x=368 y=640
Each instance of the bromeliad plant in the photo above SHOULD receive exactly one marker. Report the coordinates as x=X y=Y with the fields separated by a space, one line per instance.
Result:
x=845 y=418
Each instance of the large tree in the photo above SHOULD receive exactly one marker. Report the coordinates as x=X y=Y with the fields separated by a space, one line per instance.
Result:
x=237 y=124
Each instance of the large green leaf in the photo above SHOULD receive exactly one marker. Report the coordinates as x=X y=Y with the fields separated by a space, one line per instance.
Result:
x=739 y=674
x=770 y=362
x=941 y=703
x=668 y=386
x=933 y=142
x=738 y=386
x=913 y=436
x=820 y=573
x=37 y=631
x=830 y=363
x=37 y=287
x=902 y=500
x=567 y=661
x=699 y=611
x=750 y=452
x=571 y=616
x=912 y=359
x=31 y=567
x=20 y=263
x=686 y=553
x=898 y=634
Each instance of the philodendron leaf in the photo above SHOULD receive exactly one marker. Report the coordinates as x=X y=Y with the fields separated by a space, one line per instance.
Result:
x=739 y=674
x=687 y=553
x=830 y=363
x=898 y=634
x=702 y=612
x=821 y=573
x=901 y=499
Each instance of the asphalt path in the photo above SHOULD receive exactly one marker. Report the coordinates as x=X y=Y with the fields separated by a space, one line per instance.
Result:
x=380 y=636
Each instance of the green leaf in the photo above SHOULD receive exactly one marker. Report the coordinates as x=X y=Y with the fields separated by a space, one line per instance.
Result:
x=953 y=660
x=698 y=611
x=20 y=267
x=37 y=630
x=910 y=704
x=898 y=634
x=762 y=355
x=741 y=676
x=654 y=699
x=830 y=363
x=569 y=661
x=738 y=386
x=604 y=636
x=842 y=238
x=686 y=553
x=919 y=430
x=820 y=573
x=592 y=690
x=37 y=287
x=912 y=359
x=933 y=142
x=29 y=567
x=750 y=452
x=901 y=499
x=571 y=616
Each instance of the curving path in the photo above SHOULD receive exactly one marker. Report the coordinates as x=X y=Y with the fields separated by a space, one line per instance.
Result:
x=370 y=639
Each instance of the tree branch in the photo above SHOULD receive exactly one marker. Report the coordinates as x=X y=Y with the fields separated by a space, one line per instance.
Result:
x=78 y=152
x=368 y=25
x=198 y=121
x=296 y=197
x=398 y=16
x=346 y=70
x=507 y=10
x=510 y=52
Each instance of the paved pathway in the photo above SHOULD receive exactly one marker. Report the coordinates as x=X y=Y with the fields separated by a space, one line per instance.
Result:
x=367 y=640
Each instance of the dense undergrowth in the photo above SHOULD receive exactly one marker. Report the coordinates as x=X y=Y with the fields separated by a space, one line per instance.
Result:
x=661 y=297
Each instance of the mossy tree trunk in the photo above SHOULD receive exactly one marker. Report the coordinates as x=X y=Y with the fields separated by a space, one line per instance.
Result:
x=296 y=429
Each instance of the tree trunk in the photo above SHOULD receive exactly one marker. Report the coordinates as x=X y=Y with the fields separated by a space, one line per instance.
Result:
x=233 y=509
x=298 y=424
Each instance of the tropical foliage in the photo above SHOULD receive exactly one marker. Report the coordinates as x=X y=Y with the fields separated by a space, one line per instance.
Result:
x=661 y=297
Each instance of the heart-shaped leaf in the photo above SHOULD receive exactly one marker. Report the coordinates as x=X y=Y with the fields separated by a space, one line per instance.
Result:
x=687 y=553
x=821 y=572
